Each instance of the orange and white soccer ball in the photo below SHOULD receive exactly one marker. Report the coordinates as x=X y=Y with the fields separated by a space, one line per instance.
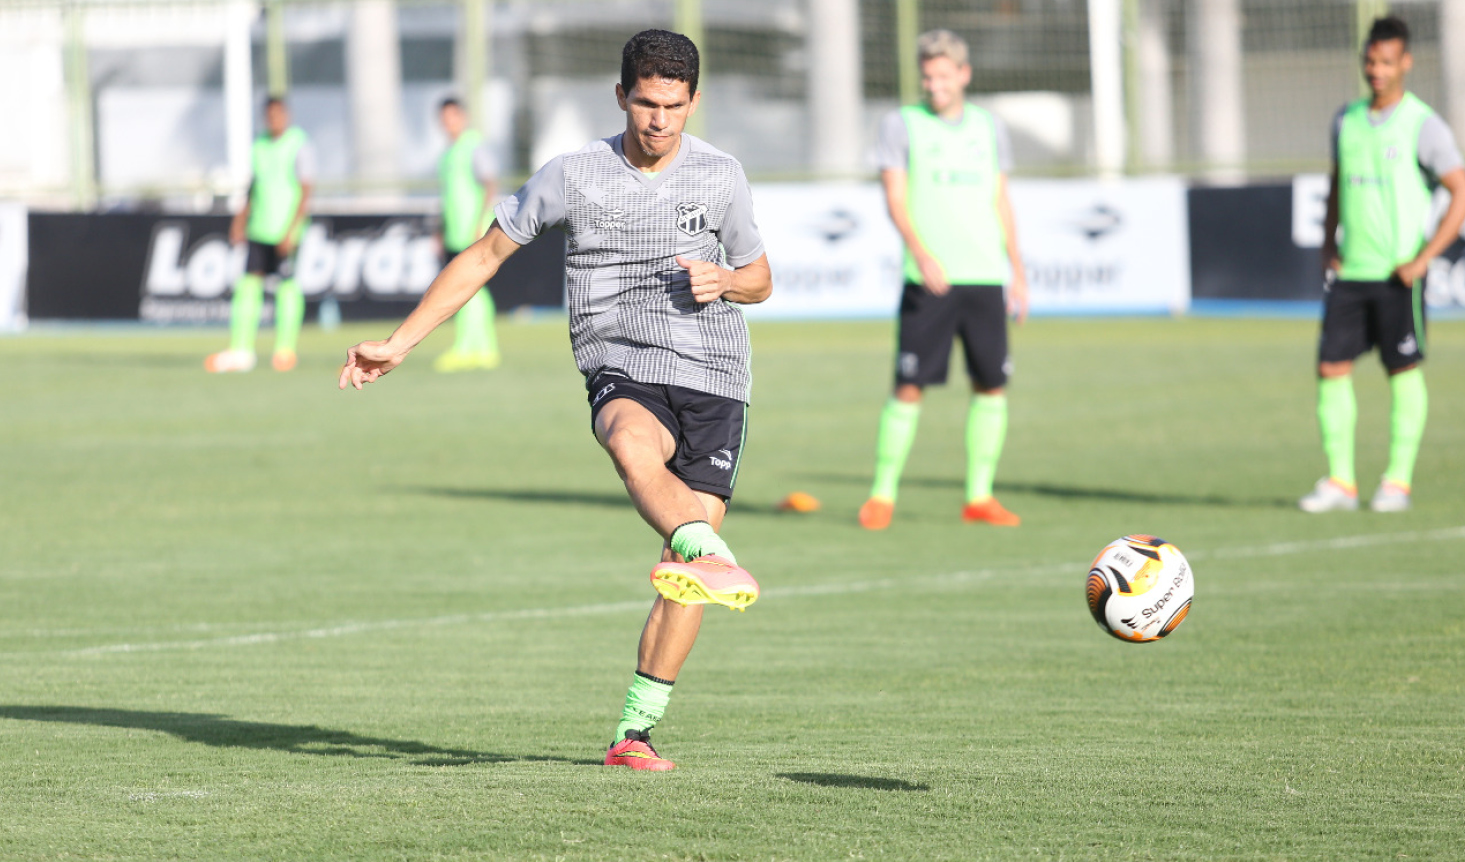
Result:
x=1140 y=588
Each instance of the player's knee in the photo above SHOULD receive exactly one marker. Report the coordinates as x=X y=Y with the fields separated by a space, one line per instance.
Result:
x=1331 y=370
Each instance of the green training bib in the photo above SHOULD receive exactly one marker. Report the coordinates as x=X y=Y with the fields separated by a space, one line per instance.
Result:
x=951 y=195
x=462 y=193
x=1383 y=199
x=275 y=193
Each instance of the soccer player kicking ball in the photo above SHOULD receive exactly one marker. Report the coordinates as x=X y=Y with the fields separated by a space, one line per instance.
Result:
x=466 y=172
x=944 y=166
x=272 y=220
x=651 y=214
x=1388 y=150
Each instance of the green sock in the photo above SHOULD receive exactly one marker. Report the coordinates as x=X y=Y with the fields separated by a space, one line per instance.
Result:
x=897 y=432
x=289 y=314
x=1406 y=423
x=244 y=311
x=1337 y=414
x=697 y=539
x=646 y=702
x=986 y=428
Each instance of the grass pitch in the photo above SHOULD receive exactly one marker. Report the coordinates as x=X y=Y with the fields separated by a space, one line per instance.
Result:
x=254 y=617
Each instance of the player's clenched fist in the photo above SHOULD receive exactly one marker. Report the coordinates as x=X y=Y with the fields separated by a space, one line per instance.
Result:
x=709 y=281
x=367 y=362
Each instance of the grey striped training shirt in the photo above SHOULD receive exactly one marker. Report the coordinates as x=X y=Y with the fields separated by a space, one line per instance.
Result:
x=631 y=307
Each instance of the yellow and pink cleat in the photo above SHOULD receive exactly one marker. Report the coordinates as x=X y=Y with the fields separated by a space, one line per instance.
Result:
x=636 y=752
x=707 y=579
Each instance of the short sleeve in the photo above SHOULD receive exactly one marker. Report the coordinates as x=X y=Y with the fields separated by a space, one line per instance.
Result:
x=537 y=206
x=485 y=166
x=1438 y=153
x=739 y=234
x=305 y=163
x=892 y=143
x=1004 y=145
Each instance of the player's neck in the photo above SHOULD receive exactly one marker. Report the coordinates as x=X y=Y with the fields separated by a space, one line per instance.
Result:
x=1387 y=100
x=952 y=112
x=644 y=162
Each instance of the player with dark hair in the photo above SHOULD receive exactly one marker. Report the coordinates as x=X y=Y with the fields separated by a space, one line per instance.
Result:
x=661 y=243
x=1389 y=152
x=466 y=173
x=271 y=221
x=944 y=166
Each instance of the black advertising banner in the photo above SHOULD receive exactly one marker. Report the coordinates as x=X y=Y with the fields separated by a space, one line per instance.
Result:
x=179 y=269
x=1241 y=246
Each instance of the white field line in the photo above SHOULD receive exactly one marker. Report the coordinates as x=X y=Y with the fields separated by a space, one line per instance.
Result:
x=948 y=579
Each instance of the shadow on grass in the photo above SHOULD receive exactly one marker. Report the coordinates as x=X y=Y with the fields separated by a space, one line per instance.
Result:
x=612 y=500
x=223 y=732
x=865 y=782
x=1072 y=492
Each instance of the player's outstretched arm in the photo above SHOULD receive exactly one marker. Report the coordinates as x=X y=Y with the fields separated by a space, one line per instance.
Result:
x=450 y=291
x=749 y=283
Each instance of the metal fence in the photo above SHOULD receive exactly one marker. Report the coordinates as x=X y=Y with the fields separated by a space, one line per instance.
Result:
x=128 y=103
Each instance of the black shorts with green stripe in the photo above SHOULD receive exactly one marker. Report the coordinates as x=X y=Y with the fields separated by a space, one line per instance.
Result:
x=1361 y=315
x=708 y=429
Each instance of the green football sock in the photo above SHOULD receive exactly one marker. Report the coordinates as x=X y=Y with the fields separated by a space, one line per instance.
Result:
x=697 y=539
x=289 y=315
x=646 y=702
x=1337 y=414
x=244 y=311
x=897 y=433
x=986 y=428
x=1406 y=423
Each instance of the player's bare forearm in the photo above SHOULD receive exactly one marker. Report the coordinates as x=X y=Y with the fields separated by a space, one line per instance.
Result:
x=748 y=284
x=1330 y=226
x=1009 y=229
x=449 y=292
x=1452 y=220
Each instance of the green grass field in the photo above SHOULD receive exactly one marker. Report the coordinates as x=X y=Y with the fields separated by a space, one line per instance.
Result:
x=255 y=617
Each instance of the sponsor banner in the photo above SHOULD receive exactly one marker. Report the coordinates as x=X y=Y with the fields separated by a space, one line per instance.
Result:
x=832 y=249
x=1444 y=283
x=1089 y=247
x=1242 y=245
x=170 y=269
x=13 y=251
x=1093 y=246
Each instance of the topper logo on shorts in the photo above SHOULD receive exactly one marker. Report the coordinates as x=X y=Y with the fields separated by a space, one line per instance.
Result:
x=602 y=393
x=691 y=218
x=721 y=463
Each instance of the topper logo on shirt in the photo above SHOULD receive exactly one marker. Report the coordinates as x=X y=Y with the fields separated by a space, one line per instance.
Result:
x=692 y=218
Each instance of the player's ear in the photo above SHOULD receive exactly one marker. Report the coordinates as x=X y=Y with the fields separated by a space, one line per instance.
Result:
x=696 y=100
x=621 y=96
x=1406 y=62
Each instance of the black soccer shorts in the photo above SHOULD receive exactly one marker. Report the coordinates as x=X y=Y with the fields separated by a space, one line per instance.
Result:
x=929 y=323
x=265 y=259
x=1361 y=315
x=708 y=429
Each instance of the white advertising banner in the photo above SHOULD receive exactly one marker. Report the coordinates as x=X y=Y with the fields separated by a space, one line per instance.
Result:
x=1106 y=247
x=1089 y=246
x=14 y=252
x=832 y=249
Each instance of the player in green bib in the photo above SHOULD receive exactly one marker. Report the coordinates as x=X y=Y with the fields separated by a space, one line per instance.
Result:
x=944 y=166
x=466 y=173
x=1389 y=152
x=272 y=221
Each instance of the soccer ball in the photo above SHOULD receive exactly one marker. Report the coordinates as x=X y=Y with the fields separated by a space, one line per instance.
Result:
x=1139 y=588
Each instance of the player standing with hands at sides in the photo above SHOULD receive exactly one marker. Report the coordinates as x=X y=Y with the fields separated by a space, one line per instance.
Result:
x=652 y=215
x=272 y=220
x=1389 y=149
x=466 y=172
x=944 y=166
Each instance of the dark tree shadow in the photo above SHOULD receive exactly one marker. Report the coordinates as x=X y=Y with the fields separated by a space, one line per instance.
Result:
x=223 y=732
x=1071 y=492
x=865 y=782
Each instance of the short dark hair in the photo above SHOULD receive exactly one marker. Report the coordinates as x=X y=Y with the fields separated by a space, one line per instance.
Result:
x=449 y=102
x=271 y=101
x=662 y=55
x=1387 y=29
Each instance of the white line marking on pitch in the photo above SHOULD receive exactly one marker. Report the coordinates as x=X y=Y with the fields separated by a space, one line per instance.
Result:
x=837 y=588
